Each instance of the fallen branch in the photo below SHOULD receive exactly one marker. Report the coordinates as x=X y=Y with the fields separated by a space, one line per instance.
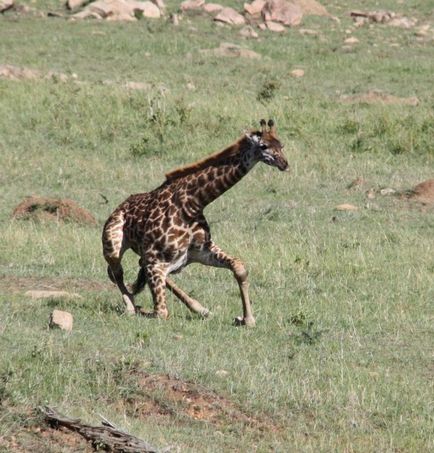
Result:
x=106 y=436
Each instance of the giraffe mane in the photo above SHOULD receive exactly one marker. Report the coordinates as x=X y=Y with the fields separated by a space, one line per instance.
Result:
x=206 y=162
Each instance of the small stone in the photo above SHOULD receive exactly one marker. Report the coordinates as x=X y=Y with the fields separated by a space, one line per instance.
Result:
x=352 y=40
x=370 y=194
x=274 y=26
x=297 y=73
x=346 y=207
x=174 y=19
x=308 y=32
x=248 y=32
x=61 y=319
x=221 y=373
x=178 y=337
x=387 y=191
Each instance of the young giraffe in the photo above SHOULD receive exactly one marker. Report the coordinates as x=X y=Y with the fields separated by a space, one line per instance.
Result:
x=167 y=228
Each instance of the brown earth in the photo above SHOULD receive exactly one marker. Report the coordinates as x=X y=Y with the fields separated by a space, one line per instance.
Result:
x=52 y=209
x=22 y=284
x=36 y=437
x=423 y=192
x=162 y=396
x=378 y=97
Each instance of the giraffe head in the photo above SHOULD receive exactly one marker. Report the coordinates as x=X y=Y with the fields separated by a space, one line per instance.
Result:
x=267 y=147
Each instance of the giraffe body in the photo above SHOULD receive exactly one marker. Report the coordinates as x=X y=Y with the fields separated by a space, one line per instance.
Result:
x=167 y=228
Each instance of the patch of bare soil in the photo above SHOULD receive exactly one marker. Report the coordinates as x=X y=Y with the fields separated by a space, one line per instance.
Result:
x=37 y=437
x=423 y=192
x=164 y=396
x=22 y=284
x=378 y=97
x=52 y=209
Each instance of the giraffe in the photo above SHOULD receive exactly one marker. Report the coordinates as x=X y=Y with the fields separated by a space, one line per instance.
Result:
x=168 y=230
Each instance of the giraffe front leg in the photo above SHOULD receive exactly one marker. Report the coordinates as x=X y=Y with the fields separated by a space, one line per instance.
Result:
x=156 y=278
x=212 y=255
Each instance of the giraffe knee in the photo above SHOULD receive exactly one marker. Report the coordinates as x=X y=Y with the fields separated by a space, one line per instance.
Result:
x=240 y=271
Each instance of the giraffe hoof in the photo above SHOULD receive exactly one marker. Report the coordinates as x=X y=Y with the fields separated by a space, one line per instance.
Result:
x=205 y=313
x=248 y=322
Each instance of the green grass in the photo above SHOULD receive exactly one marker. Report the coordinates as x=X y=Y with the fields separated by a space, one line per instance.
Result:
x=341 y=359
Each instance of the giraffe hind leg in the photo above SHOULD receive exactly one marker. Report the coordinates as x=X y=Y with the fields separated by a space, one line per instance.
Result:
x=116 y=274
x=113 y=250
x=192 y=304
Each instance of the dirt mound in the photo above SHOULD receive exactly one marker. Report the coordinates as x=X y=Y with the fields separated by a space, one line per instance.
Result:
x=52 y=209
x=36 y=437
x=423 y=192
x=165 y=396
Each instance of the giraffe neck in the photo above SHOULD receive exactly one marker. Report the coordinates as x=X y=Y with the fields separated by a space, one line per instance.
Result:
x=206 y=185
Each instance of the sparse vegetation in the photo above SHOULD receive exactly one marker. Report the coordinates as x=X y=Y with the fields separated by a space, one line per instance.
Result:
x=341 y=359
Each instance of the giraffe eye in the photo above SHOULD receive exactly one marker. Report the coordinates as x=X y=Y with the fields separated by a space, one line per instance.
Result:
x=263 y=146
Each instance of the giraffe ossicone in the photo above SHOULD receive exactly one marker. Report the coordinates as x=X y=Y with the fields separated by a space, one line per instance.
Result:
x=168 y=230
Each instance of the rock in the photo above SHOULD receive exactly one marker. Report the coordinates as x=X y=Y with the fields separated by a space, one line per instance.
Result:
x=282 y=11
x=227 y=49
x=74 y=4
x=308 y=32
x=148 y=9
x=311 y=8
x=382 y=17
x=86 y=14
x=221 y=373
x=230 y=16
x=50 y=294
x=254 y=8
x=160 y=4
x=274 y=26
x=248 y=32
x=174 y=19
x=5 y=5
x=403 y=22
x=346 y=207
x=190 y=5
x=138 y=86
x=212 y=8
x=262 y=26
x=119 y=10
x=297 y=73
x=387 y=191
x=351 y=40
x=62 y=320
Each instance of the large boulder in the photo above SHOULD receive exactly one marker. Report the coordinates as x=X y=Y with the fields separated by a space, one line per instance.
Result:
x=230 y=16
x=282 y=11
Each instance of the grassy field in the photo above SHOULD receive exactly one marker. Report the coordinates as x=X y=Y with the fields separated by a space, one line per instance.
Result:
x=342 y=355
